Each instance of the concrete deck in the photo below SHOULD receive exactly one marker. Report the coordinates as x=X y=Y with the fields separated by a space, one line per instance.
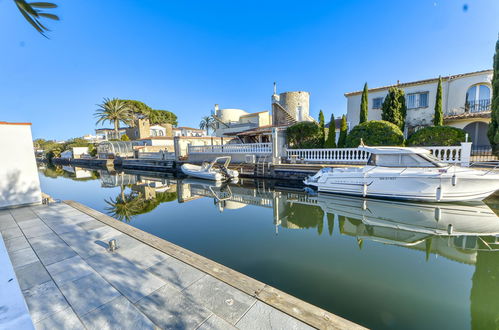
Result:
x=71 y=281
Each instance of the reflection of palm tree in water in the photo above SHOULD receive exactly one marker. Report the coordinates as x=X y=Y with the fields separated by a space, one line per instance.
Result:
x=127 y=205
x=484 y=297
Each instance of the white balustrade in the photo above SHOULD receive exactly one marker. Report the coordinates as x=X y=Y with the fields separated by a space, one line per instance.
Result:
x=246 y=148
x=447 y=154
x=338 y=155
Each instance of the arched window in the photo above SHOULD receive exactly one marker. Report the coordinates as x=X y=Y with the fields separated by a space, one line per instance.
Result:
x=478 y=98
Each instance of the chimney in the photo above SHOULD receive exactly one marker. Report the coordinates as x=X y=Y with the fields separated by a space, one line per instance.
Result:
x=216 y=107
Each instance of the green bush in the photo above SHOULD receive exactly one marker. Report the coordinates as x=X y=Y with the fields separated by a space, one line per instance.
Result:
x=437 y=136
x=375 y=133
x=304 y=135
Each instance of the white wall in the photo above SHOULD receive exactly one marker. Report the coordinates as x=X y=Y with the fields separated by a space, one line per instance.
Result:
x=19 y=183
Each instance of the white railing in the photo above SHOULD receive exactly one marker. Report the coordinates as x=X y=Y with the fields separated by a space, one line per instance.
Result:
x=247 y=148
x=161 y=155
x=338 y=155
x=453 y=154
x=447 y=154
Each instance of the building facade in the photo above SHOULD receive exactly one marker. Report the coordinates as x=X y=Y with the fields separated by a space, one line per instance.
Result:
x=466 y=103
x=231 y=121
x=188 y=131
x=288 y=108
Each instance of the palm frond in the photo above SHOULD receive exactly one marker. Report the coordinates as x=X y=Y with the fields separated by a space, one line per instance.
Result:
x=32 y=15
x=43 y=5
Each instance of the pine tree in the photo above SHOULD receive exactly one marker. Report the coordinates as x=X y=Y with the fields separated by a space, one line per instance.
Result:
x=331 y=134
x=343 y=132
x=438 y=120
x=394 y=109
x=363 y=106
x=322 y=126
x=493 y=132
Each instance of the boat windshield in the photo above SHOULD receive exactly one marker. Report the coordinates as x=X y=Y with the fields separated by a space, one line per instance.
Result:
x=404 y=160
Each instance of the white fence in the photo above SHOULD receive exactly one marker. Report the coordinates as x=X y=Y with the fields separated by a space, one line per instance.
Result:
x=161 y=155
x=447 y=154
x=455 y=154
x=246 y=148
x=339 y=155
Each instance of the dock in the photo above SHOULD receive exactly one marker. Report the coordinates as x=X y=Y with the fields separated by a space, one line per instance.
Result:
x=70 y=279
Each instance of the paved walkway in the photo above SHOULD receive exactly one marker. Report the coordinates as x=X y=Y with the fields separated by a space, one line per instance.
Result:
x=71 y=281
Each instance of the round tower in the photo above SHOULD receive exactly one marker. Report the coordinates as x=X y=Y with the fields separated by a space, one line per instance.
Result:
x=296 y=106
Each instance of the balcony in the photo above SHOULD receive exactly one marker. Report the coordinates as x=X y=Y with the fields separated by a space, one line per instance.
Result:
x=477 y=106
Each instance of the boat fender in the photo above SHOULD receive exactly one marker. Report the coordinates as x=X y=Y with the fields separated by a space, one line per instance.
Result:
x=450 y=229
x=438 y=214
x=364 y=191
x=439 y=194
x=454 y=180
x=364 y=205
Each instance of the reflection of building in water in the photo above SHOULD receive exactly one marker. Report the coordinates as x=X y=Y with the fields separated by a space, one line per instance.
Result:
x=116 y=179
x=149 y=187
x=79 y=173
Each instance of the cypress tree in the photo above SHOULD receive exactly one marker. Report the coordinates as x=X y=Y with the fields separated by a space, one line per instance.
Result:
x=343 y=132
x=363 y=106
x=493 y=133
x=331 y=134
x=394 y=109
x=438 y=120
x=322 y=126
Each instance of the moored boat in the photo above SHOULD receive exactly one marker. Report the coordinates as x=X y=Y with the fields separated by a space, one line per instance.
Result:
x=407 y=174
x=211 y=171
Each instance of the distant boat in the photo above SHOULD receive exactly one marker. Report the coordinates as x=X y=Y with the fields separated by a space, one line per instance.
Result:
x=211 y=171
x=407 y=174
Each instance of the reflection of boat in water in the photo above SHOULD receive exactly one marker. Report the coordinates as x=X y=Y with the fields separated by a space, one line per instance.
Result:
x=211 y=171
x=406 y=174
x=431 y=219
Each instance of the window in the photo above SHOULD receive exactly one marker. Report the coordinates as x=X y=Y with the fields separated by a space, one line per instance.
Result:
x=417 y=100
x=377 y=102
x=401 y=160
x=478 y=98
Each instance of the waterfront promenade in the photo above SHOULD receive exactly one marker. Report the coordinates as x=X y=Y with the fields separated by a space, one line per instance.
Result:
x=70 y=280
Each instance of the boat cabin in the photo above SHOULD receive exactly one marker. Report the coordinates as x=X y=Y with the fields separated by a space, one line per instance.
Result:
x=401 y=157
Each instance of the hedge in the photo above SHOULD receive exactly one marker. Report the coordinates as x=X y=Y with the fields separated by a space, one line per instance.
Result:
x=437 y=136
x=375 y=133
x=305 y=135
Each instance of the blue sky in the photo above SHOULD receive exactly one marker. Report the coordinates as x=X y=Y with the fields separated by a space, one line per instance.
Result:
x=185 y=56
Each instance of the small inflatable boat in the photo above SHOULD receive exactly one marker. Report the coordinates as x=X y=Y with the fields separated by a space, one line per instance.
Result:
x=215 y=170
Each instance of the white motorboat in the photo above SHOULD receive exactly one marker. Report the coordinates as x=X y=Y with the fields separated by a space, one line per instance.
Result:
x=211 y=171
x=406 y=174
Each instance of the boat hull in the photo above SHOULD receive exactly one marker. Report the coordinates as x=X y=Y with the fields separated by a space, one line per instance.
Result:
x=196 y=172
x=432 y=187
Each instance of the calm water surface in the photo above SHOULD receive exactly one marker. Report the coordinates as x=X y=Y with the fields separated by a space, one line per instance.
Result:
x=381 y=264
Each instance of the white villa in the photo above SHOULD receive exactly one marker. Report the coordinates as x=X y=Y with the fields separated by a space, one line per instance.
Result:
x=466 y=103
x=288 y=108
x=228 y=121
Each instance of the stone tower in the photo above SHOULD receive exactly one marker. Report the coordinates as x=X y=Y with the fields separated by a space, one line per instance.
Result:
x=290 y=107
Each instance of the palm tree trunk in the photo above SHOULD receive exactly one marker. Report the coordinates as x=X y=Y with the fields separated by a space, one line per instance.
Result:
x=117 y=129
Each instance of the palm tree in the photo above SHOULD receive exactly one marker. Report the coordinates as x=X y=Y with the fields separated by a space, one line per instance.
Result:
x=32 y=13
x=115 y=111
x=207 y=122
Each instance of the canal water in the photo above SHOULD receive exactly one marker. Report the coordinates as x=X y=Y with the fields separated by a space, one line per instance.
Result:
x=378 y=263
